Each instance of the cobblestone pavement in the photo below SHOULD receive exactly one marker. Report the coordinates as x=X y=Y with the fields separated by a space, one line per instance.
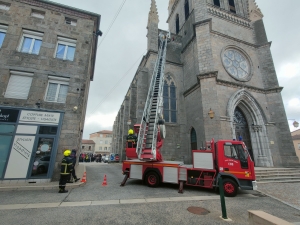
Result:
x=286 y=192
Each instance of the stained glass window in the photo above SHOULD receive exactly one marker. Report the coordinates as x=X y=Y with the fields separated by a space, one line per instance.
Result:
x=170 y=101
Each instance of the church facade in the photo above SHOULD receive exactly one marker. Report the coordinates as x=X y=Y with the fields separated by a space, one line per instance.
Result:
x=220 y=82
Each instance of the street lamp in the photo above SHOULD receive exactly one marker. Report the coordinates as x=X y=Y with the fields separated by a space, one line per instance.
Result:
x=295 y=123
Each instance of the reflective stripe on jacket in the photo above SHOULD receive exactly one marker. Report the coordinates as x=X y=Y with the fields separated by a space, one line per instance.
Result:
x=66 y=166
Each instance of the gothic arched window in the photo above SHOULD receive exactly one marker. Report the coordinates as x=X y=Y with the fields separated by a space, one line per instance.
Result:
x=186 y=9
x=232 y=6
x=193 y=139
x=170 y=104
x=217 y=2
x=177 y=24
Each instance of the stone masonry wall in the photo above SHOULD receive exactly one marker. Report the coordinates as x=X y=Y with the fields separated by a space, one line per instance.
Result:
x=17 y=18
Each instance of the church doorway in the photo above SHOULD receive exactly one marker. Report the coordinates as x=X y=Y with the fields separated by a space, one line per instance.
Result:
x=193 y=139
x=242 y=129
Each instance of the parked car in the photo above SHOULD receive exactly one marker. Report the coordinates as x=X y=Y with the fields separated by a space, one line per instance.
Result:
x=105 y=159
x=41 y=165
x=113 y=157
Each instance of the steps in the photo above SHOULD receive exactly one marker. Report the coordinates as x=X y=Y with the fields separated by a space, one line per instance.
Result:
x=277 y=175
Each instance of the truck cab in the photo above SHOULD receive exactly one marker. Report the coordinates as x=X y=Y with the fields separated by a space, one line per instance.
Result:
x=234 y=164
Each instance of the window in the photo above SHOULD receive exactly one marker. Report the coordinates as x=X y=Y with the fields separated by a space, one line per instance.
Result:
x=31 y=42
x=232 y=6
x=193 y=139
x=101 y=135
x=230 y=151
x=299 y=146
x=3 y=29
x=90 y=147
x=4 y=6
x=18 y=85
x=170 y=105
x=57 y=89
x=186 y=9
x=217 y=2
x=177 y=24
x=70 y=21
x=105 y=148
x=100 y=148
x=106 y=142
x=38 y=14
x=82 y=147
x=65 y=49
x=48 y=130
x=101 y=142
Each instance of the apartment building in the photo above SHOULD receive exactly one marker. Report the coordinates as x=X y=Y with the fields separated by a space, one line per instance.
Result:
x=103 y=141
x=47 y=61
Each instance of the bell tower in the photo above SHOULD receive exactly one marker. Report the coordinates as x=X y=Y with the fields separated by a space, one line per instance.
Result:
x=228 y=68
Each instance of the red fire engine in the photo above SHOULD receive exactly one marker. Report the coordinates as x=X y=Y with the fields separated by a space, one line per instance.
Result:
x=228 y=159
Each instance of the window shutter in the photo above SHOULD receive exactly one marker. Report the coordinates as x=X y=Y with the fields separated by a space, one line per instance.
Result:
x=18 y=87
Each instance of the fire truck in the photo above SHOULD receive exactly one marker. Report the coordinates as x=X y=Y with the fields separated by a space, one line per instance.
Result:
x=228 y=159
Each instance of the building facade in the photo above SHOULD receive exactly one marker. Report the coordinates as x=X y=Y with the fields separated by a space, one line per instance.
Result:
x=87 y=146
x=220 y=82
x=103 y=142
x=296 y=140
x=47 y=60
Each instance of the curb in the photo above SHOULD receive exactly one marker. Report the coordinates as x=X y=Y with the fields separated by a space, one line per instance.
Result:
x=34 y=188
x=46 y=186
x=295 y=207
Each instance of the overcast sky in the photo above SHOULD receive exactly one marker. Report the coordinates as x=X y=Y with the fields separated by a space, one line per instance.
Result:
x=122 y=48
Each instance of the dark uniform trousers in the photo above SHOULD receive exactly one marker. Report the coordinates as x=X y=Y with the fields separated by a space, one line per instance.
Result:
x=62 y=181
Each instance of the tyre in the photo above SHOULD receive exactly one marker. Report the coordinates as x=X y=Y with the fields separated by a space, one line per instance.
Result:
x=152 y=179
x=230 y=188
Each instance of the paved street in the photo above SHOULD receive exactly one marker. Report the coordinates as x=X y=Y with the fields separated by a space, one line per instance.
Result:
x=137 y=204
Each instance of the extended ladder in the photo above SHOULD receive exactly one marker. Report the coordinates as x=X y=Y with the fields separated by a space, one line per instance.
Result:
x=147 y=146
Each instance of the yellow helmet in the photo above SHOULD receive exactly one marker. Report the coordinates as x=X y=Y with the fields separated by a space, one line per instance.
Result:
x=67 y=153
x=130 y=131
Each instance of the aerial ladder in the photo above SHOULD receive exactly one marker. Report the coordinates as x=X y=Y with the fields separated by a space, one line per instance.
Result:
x=152 y=129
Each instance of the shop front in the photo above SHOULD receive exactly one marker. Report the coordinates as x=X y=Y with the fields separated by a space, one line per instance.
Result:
x=28 y=143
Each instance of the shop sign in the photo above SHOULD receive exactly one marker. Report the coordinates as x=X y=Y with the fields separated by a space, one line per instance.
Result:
x=8 y=115
x=39 y=117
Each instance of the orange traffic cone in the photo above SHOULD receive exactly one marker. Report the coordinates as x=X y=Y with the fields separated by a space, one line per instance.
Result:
x=84 y=178
x=104 y=181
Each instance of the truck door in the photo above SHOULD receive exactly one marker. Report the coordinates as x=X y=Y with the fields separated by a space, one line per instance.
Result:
x=236 y=160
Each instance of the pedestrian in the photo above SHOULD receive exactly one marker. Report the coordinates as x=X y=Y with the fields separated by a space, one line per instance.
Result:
x=65 y=170
x=72 y=175
x=131 y=139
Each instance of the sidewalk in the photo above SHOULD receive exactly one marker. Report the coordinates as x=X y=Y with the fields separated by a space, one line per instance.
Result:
x=21 y=185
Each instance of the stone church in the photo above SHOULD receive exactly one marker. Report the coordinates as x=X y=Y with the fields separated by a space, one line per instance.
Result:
x=220 y=82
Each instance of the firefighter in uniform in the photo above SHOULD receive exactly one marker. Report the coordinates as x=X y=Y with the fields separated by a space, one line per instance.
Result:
x=65 y=171
x=131 y=139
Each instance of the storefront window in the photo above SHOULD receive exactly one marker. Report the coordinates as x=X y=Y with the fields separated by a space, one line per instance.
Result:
x=6 y=128
x=48 y=130
x=4 y=151
x=42 y=157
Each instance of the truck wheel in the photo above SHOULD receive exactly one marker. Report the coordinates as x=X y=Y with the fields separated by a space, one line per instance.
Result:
x=152 y=179
x=230 y=188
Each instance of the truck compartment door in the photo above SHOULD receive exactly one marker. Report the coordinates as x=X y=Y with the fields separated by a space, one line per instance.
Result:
x=170 y=175
x=136 y=171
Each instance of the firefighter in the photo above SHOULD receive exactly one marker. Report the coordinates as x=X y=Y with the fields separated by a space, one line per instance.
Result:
x=131 y=139
x=65 y=171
